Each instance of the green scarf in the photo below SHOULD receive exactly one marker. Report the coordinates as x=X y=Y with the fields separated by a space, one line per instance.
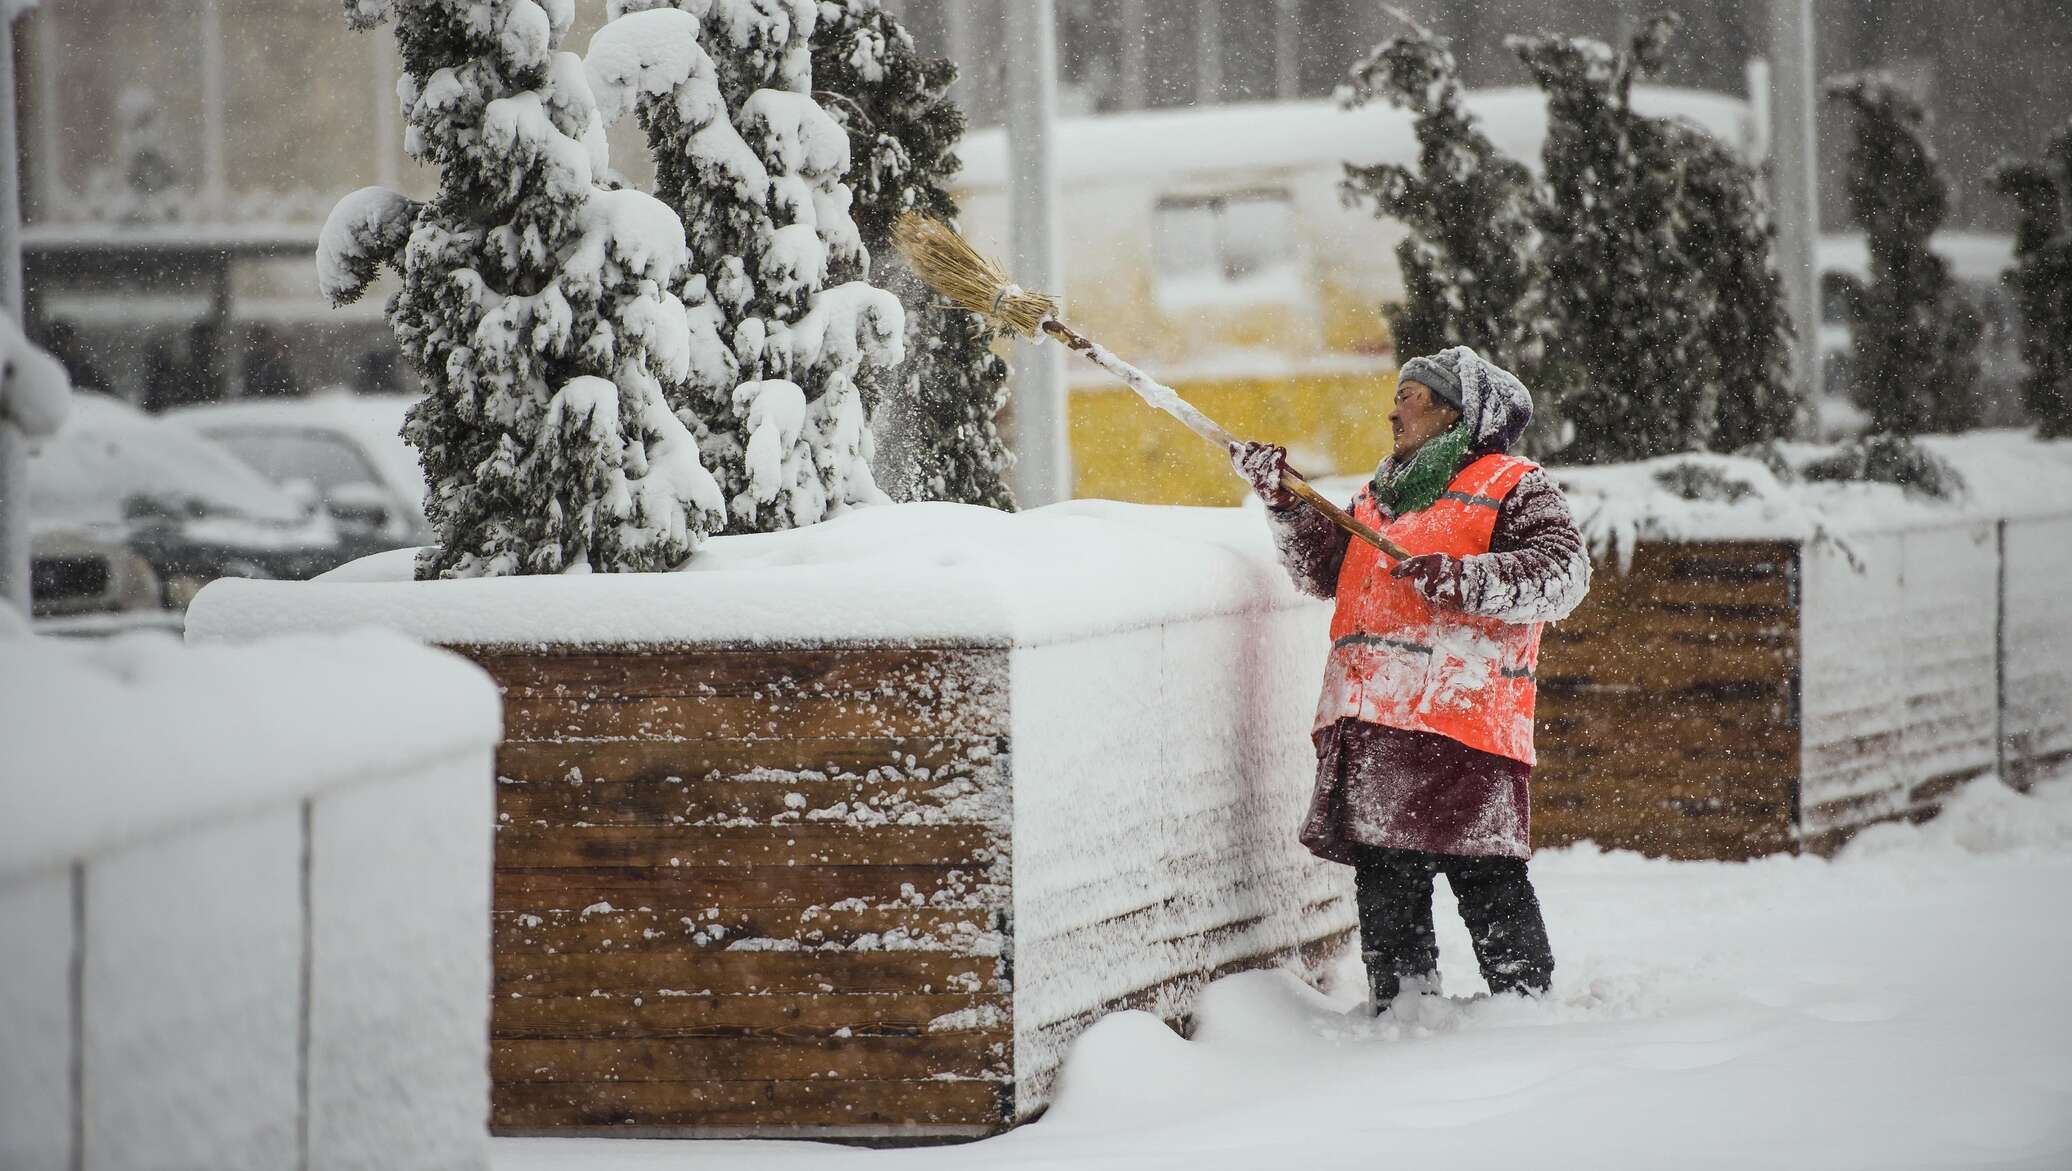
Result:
x=1418 y=483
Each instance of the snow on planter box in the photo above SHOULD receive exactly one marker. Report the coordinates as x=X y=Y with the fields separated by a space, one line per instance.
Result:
x=1766 y=666
x=848 y=831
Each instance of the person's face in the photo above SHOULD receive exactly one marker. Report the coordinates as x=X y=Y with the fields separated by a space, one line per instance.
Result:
x=1418 y=416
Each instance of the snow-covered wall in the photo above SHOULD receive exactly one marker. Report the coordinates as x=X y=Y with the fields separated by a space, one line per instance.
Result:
x=1852 y=705
x=1899 y=666
x=1933 y=633
x=2036 y=630
x=36 y=1099
x=245 y=897
x=1932 y=654
x=1159 y=776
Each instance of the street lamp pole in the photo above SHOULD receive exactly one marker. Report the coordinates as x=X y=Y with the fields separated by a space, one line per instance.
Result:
x=14 y=446
x=1043 y=460
x=1795 y=181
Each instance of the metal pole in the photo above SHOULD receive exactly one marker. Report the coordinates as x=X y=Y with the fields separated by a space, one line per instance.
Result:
x=956 y=18
x=1136 y=91
x=51 y=175
x=1287 y=63
x=1796 y=182
x=1043 y=459
x=1208 y=53
x=14 y=448
x=215 y=181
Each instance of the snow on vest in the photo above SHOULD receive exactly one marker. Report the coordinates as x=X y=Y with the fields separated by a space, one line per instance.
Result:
x=1400 y=661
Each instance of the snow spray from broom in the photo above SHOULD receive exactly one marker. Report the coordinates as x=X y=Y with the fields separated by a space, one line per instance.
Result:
x=947 y=263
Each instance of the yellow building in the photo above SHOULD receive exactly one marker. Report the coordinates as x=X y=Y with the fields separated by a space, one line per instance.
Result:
x=1210 y=246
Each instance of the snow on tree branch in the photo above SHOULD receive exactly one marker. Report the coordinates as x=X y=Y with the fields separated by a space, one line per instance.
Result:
x=933 y=417
x=35 y=391
x=365 y=14
x=782 y=335
x=644 y=55
x=537 y=305
x=364 y=231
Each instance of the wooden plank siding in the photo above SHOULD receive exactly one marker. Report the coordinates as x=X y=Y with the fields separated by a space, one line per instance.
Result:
x=769 y=891
x=751 y=891
x=1668 y=705
x=1733 y=699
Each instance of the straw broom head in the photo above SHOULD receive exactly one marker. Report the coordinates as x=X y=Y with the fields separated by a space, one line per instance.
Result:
x=947 y=263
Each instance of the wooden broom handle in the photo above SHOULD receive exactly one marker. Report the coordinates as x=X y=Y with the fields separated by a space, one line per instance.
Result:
x=1166 y=399
x=1340 y=517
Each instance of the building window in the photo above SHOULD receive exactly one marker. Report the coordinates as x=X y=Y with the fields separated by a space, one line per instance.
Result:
x=1234 y=248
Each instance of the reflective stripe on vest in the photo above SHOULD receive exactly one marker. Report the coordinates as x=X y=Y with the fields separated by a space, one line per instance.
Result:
x=1400 y=661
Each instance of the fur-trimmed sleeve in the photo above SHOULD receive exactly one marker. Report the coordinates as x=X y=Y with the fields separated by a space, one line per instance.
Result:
x=1537 y=568
x=1312 y=548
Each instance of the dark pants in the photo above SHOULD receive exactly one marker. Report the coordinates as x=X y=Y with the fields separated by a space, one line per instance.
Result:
x=1496 y=902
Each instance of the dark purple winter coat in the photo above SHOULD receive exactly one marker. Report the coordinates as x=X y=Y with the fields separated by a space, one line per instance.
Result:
x=1408 y=790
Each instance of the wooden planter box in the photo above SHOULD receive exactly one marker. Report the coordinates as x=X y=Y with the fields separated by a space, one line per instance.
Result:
x=822 y=892
x=1734 y=699
x=808 y=841
x=873 y=887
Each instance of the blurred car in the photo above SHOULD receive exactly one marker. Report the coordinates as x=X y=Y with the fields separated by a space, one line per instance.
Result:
x=118 y=499
x=76 y=579
x=344 y=450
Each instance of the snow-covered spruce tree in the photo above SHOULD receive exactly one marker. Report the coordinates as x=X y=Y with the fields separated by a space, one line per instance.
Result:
x=938 y=437
x=1470 y=271
x=1659 y=267
x=1914 y=335
x=533 y=304
x=1730 y=247
x=2042 y=281
x=784 y=327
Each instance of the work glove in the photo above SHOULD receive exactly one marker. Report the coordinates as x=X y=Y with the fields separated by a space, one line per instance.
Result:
x=1262 y=464
x=1435 y=575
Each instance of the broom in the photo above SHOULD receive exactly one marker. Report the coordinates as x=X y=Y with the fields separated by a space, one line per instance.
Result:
x=947 y=263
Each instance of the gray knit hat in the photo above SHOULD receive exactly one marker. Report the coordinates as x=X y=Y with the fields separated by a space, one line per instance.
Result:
x=1494 y=406
x=1432 y=372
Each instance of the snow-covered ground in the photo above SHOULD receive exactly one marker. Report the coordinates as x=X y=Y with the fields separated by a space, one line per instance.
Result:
x=1902 y=1006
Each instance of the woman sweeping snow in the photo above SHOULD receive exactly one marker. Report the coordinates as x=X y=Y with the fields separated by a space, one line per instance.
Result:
x=1424 y=731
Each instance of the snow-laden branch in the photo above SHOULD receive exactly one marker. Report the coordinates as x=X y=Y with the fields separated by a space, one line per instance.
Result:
x=643 y=56
x=35 y=391
x=366 y=230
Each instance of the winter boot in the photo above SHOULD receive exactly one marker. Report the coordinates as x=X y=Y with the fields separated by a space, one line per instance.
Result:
x=1382 y=983
x=1385 y=984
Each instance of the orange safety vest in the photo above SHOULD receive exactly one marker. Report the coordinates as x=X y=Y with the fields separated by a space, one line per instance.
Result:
x=1399 y=660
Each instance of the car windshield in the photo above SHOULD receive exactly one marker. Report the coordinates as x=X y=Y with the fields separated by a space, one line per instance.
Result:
x=286 y=454
x=111 y=461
